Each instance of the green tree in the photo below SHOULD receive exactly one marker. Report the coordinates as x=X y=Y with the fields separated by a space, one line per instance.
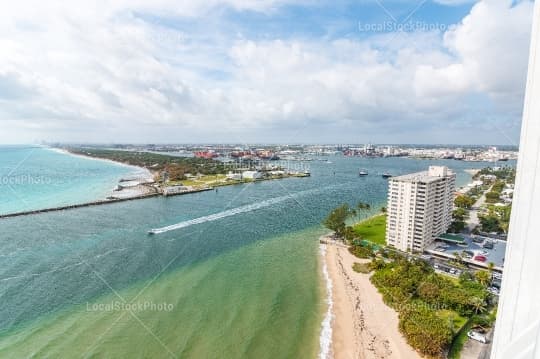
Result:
x=483 y=277
x=363 y=206
x=424 y=330
x=336 y=219
x=478 y=305
x=492 y=196
x=349 y=234
x=459 y=214
x=383 y=210
x=490 y=223
x=463 y=201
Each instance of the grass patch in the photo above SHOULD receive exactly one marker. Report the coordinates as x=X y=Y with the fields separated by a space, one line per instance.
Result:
x=361 y=268
x=372 y=229
x=459 y=341
x=454 y=320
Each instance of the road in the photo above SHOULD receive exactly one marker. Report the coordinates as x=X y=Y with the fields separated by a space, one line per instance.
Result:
x=473 y=213
x=476 y=350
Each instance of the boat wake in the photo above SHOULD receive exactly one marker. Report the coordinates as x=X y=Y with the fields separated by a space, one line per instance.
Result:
x=234 y=211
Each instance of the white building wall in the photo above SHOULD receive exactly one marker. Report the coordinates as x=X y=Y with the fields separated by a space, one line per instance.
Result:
x=517 y=331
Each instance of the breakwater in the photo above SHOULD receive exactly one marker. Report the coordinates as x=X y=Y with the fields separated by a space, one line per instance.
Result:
x=97 y=203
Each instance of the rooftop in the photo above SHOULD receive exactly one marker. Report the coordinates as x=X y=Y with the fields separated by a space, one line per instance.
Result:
x=433 y=174
x=492 y=250
x=454 y=238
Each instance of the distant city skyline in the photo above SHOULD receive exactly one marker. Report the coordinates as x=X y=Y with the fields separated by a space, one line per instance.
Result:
x=267 y=71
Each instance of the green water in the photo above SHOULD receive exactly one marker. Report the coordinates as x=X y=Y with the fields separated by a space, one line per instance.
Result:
x=241 y=275
x=238 y=304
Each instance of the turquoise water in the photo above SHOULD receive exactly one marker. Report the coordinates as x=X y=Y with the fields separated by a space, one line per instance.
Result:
x=242 y=281
x=33 y=177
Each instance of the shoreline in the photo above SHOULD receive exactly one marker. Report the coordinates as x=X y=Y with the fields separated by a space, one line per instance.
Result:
x=472 y=171
x=148 y=175
x=325 y=336
x=362 y=326
x=139 y=185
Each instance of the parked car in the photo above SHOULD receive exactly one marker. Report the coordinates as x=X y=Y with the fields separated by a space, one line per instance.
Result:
x=494 y=290
x=479 y=337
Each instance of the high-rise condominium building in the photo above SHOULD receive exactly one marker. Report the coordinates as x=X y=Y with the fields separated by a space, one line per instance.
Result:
x=419 y=208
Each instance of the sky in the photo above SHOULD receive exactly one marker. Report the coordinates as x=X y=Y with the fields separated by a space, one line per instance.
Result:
x=263 y=71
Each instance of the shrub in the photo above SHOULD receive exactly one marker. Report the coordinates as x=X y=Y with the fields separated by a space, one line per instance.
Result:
x=361 y=252
x=361 y=268
x=424 y=330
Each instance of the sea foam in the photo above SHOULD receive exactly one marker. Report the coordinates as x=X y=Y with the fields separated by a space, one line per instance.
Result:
x=325 y=341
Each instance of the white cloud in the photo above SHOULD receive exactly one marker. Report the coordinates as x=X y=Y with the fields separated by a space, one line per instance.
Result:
x=454 y=2
x=492 y=43
x=97 y=71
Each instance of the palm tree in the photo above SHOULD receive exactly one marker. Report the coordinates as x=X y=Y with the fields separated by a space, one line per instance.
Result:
x=363 y=205
x=483 y=277
x=478 y=305
x=458 y=257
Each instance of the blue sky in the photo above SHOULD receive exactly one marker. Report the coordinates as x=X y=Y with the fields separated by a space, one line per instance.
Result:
x=264 y=71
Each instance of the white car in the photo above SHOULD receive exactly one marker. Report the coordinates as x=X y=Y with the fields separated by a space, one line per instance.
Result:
x=494 y=290
x=479 y=337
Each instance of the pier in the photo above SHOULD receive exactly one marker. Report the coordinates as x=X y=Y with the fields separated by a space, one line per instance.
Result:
x=97 y=203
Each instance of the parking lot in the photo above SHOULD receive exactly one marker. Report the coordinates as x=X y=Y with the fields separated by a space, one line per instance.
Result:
x=478 y=250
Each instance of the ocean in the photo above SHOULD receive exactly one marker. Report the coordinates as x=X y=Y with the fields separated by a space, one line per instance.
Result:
x=232 y=274
x=35 y=177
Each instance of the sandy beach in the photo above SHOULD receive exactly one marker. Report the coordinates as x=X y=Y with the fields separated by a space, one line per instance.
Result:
x=139 y=173
x=135 y=185
x=362 y=325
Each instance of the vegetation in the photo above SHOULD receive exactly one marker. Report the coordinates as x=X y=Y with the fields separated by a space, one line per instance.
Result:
x=432 y=308
x=424 y=330
x=336 y=220
x=490 y=223
x=177 y=167
x=372 y=229
x=362 y=251
x=458 y=223
x=459 y=341
x=361 y=268
x=363 y=206
x=464 y=201
x=493 y=197
x=505 y=173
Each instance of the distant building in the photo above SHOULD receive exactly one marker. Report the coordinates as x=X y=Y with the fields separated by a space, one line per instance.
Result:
x=234 y=176
x=419 y=208
x=172 y=190
x=251 y=175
